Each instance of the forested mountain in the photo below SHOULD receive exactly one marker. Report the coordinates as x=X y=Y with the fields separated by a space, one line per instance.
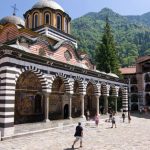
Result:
x=132 y=33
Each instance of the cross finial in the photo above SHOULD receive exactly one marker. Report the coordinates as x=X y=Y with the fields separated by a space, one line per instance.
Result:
x=14 y=9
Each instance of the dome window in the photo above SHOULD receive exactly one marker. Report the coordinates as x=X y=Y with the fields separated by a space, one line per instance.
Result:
x=35 y=21
x=66 y=25
x=28 y=22
x=59 y=22
x=47 y=18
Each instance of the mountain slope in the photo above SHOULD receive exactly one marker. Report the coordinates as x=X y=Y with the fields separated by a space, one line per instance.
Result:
x=132 y=33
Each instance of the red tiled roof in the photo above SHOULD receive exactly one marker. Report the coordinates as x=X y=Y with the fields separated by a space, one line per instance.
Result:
x=128 y=70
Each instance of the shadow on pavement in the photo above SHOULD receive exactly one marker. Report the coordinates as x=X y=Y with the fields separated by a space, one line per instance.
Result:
x=70 y=148
x=109 y=128
x=141 y=115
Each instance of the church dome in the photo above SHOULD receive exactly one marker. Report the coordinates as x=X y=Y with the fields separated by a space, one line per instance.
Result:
x=12 y=19
x=48 y=3
x=113 y=75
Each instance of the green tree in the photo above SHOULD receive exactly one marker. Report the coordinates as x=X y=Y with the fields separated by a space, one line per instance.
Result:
x=106 y=55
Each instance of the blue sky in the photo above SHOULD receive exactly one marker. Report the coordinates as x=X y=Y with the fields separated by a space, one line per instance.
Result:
x=77 y=8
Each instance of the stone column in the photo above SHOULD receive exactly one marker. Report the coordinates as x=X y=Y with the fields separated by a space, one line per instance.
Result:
x=82 y=106
x=46 y=109
x=70 y=106
x=97 y=104
x=106 y=104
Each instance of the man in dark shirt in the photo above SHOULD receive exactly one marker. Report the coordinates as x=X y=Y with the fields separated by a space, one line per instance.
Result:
x=78 y=134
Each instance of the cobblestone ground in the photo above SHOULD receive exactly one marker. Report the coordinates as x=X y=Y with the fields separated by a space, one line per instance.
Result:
x=133 y=136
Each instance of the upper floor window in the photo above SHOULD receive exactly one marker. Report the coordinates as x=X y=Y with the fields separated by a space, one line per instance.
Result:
x=66 y=25
x=47 y=18
x=133 y=80
x=59 y=22
x=35 y=21
x=147 y=78
x=134 y=98
x=134 y=89
x=147 y=88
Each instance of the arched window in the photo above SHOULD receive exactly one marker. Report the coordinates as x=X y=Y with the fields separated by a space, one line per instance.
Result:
x=133 y=80
x=35 y=21
x=27 y=22
x=134 y=89
x=147 y=98
x=134 y=98
x=147 y=88
x=59 y=22
x=66 y=25
x=67 y=55
x=47 y=18
x=147 y=78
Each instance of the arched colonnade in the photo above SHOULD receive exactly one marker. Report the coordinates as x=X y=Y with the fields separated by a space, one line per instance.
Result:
x=57 y=96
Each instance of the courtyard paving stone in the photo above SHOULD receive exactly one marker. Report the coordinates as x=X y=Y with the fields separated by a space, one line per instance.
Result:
x=133 y=136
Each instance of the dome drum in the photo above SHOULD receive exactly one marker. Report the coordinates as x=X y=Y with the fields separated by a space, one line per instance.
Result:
x=47 y=12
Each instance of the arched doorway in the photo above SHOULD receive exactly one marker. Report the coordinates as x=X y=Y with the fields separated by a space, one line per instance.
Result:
x=147 y=98
x=66 y=111
x=134 y=107
x=56 y=99
x=134 y=98
x=76 y=101
x=90 y=101
x=29 y=103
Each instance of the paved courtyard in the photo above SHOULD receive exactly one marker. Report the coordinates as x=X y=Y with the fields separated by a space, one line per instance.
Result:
x=133 y=136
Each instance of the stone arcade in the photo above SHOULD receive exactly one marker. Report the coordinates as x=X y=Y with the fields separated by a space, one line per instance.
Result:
x=43 y=76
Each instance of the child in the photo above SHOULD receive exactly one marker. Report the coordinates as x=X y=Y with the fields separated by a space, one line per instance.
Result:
x=113 y=121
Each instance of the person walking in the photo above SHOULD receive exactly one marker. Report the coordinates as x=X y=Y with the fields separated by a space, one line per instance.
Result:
x=88 y=115
x=129 y=117
x=123 y=116
x=113 y=121
x=110 y=116
x=96 y=120
x=78 y=134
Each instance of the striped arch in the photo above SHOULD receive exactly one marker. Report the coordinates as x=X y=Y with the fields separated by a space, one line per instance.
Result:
x=40 y=75
x=68 y=82
x=113 y=90
x=96 y=87
x=81 y=85
x=105 y=89
x=124 y=91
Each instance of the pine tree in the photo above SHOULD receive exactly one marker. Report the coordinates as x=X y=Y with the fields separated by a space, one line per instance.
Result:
x=106 y=55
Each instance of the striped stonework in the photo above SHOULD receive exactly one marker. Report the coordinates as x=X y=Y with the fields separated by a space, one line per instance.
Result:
x=125 y=99
x=82 y=90
x=96 y=87
x=68 y=85
x=114 y=90
x=12 y=67
x=105 y=89
x=40 y=75
x=7 y=97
